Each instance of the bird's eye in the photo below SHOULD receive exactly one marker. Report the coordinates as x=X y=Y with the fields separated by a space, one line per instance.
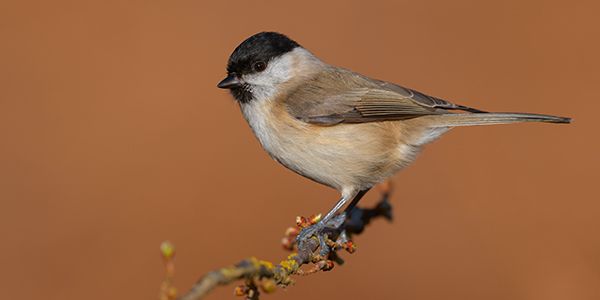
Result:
x=259 y=66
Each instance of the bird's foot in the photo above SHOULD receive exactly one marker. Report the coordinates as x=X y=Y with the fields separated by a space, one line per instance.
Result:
x=325 y=231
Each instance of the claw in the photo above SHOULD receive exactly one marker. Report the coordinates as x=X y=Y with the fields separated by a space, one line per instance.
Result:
x=315 y=230
x=325 y=249
x=320 y=230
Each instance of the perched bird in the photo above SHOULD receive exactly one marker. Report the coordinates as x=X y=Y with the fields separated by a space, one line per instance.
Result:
x=335 y=126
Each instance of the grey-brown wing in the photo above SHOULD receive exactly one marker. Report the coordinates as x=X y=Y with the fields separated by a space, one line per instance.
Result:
x=424 y=99
x=341 y=96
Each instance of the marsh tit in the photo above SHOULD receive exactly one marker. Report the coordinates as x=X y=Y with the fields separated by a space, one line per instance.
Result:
x=337 y=127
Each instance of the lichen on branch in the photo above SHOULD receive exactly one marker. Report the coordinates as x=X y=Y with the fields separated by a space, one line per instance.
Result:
x=263 y=276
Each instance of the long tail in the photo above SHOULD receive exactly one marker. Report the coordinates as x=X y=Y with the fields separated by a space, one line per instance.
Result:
x=472 y=119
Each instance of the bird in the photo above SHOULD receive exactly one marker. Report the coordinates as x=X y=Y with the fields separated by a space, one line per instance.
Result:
x=335 y=126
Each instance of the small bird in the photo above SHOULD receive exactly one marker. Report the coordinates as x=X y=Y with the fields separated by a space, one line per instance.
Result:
x=337 y=127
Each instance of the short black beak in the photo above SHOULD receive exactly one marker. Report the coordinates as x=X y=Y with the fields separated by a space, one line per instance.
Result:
x=231 y=81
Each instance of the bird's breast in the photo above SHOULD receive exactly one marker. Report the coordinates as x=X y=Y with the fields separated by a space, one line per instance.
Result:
x=345 y=156
x=289 y=141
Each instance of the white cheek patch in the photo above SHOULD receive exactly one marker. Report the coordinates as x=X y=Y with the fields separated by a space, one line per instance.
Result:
x=264 y=84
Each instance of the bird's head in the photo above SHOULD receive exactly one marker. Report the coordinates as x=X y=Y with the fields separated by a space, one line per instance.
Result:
x=260 y=66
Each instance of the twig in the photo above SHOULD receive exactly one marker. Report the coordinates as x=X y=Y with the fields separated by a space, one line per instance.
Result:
x=259 y=275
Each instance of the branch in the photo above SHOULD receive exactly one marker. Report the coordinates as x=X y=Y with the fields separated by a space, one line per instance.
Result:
x=259 y=275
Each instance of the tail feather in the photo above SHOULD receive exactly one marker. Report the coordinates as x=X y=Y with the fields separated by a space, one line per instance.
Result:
x=472 y=119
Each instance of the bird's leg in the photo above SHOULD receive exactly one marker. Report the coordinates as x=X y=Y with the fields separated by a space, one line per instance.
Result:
x=329 y=224
x=355 y=218
x=352 y=204
x=386 y=189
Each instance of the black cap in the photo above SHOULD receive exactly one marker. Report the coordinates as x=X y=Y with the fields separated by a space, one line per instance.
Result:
x=253 y=55
x=263 y=47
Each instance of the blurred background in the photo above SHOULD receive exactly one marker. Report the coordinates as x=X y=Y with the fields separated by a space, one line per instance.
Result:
x=113 y=138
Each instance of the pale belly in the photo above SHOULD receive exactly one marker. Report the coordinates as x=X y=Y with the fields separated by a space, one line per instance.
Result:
x=345 y=156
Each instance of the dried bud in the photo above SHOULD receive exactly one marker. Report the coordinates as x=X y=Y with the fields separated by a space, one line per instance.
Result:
x=167 y=250
x=292 y=231
x=349 y=246
x=315 y=219
x=287 y=243
x=268 y=285
x=325 y=265
x=302 y=222
x=241 y=290
x=172 y=293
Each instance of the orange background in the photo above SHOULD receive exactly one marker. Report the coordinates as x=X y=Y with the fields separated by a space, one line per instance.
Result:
x=114 y=138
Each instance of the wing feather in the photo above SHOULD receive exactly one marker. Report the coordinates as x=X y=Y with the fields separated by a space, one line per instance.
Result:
x=341 y=96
